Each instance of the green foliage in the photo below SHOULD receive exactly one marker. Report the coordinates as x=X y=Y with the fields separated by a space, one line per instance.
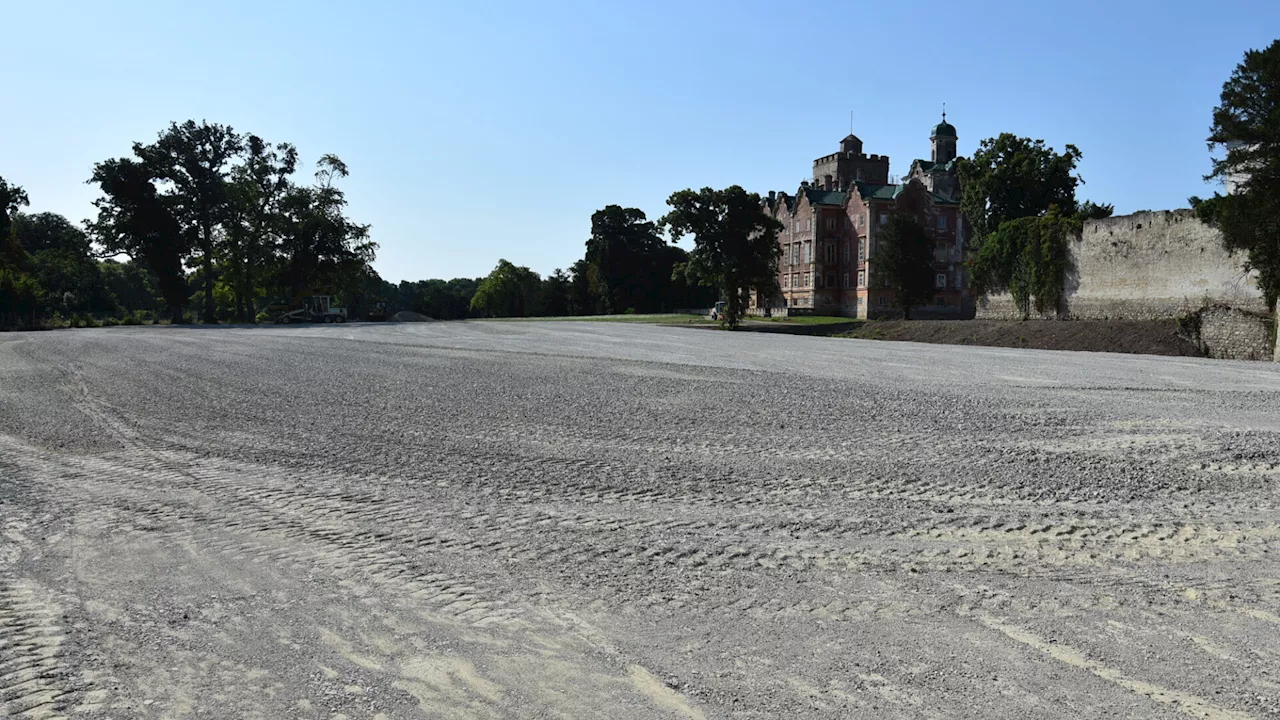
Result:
x=439 y=299
x=1250 y=223
x=1089 y=210
x=508 y=291
x=1247 y=124
x=12 y=199
x=553 y=296
x=256 y=189
x=20 y=293
x=903 y=262
x=1019 y=195
x=1030 y=259
x=20 y=296
x=320 y=247
x=62 y=262
x=134 y=220
x=735 y=243
x=203 y=195
x=1012 y=177
x=193 y=162
x=631 y=263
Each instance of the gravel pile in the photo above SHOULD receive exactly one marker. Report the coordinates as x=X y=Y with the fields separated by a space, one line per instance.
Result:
x=410 y=316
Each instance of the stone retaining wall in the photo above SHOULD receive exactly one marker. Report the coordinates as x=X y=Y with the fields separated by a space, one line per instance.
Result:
x=1149 y=265
x=1232 y=334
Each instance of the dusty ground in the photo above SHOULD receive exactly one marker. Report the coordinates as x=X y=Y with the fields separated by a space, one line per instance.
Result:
x=1150 y=337
x=525 y=520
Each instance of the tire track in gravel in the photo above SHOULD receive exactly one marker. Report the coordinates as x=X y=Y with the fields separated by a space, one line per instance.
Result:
x=231 y=519
x=366 y=533
x=34 y=677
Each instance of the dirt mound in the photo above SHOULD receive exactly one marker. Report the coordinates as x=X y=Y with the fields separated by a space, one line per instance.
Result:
x=1151 y=337
x=410 y=316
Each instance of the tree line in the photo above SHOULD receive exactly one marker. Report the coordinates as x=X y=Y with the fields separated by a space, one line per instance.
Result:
x=215 y=224
x=210 y=220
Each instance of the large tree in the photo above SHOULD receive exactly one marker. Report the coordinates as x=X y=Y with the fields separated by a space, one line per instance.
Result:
x=509 y=291
x=193 y=162
x=321 y=248
x=134 y=220
x=1011 y=177
x=63 y=262
x=19 y=291
x=903 y=262
x=1246 y=124
x=256 y=190
x=584 y=296
x=553 y=296
x=629 y=260
x=12 y=199
x=735 y=243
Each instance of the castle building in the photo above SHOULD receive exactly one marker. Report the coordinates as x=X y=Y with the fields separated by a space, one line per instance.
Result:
x=830 y=228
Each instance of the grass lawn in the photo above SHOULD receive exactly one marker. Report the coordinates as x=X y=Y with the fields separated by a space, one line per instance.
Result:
x=805 y=320
x=660 y=318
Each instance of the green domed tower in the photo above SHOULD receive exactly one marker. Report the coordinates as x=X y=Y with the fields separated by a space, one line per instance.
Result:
x=944 y=141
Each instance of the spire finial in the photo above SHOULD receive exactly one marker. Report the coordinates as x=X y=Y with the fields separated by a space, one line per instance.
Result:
x=944 y=112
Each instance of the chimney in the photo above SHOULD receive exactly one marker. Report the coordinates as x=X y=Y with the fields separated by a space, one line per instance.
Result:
x=826 y=182
x=773 y=195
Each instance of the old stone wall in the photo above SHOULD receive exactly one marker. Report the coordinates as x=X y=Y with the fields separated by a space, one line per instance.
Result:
x=1232 y=334
x=1162 y=264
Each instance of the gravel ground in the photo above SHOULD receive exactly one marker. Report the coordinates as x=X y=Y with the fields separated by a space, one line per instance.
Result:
x=588 y=520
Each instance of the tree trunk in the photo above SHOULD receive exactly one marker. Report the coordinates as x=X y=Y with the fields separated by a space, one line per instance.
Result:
x=207 y=247
x=248 y=279
x=239 y=302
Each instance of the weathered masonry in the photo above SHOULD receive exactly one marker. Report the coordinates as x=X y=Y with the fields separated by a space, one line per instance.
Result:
x=1162 y=265
x=1149 y=265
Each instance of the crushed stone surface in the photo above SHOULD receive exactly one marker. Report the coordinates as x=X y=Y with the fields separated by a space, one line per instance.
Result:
x=593 y=520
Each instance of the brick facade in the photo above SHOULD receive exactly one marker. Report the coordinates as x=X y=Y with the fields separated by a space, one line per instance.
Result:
x=829 y=233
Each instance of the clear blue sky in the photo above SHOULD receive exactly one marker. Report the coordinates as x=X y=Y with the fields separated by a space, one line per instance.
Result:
x=485 y=130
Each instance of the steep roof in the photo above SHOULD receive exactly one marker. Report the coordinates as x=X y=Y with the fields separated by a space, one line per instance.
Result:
x=929 y=165
x=870 y=191
x=818 y=196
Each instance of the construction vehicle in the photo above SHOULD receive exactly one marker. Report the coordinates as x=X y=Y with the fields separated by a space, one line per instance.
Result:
x=315 y=308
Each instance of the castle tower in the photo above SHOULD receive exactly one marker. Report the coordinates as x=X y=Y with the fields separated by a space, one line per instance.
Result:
x=944 y=141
